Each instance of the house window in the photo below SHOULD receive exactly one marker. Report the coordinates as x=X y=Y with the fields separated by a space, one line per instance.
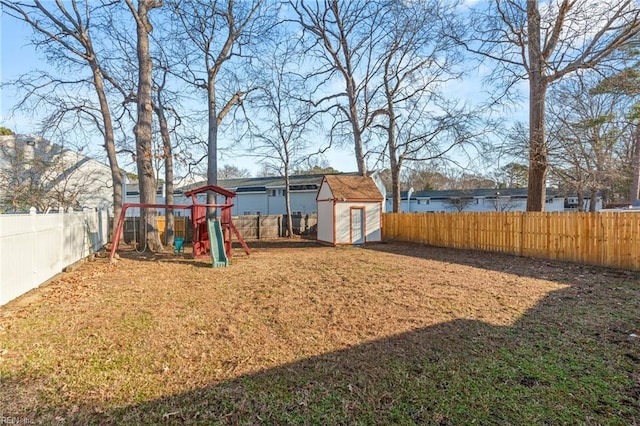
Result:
x=273 y=192
x=423 y=201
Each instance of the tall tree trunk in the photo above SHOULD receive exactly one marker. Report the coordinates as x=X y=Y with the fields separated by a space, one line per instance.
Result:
x=355 y=125
x=142 y=129
x=635 y=180
x=394 y=164
x=168 y=171
x=580 y=198
x=593 y=200
x=212 y=147
x=606 y=196
x=109 y=144
x=395 y=184
x=536 y=191
x=288 y=202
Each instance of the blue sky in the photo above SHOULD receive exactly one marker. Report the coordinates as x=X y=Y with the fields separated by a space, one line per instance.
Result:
x=18 y=57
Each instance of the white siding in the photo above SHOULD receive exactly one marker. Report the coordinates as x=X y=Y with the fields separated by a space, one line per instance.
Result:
x=343 y=221
x=74 y=175
x=325 y=221
x=88 y=178
x=373 y=213
x=303 y=202
x=325 y=192
x=481 y=204
x=252 y=203
x=556 y=205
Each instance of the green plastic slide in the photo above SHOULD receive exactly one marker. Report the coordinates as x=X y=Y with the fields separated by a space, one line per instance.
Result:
x=216 y=240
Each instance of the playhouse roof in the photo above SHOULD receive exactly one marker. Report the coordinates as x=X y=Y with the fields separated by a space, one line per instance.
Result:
x=353 y=188
x=213 y=188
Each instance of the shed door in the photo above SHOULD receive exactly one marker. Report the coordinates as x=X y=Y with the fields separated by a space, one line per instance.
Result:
x=357 y=226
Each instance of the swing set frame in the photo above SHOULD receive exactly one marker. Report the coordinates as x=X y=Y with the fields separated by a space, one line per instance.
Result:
x=200 y=236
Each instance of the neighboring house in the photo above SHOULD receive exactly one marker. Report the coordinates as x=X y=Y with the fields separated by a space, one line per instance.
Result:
x=37 y=173
x=481 y=200
x=349 y=210
x=266 y=195
x=572 y=203
x=261 y=195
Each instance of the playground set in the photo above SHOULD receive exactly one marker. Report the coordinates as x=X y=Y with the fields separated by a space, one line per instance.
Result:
x=210 y=237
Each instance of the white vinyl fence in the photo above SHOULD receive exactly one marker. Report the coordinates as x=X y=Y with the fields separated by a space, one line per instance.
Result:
x=35 y=247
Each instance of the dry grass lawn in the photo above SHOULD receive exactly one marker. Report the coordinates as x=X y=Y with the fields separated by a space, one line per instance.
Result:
x=308 y=334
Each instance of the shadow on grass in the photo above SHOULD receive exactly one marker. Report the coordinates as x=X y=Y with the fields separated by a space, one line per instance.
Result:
x=571 y=359
x=553 y=270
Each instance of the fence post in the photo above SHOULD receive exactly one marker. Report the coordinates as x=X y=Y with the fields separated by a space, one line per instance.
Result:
x=258 y=226
x=522 y=214
x=34 y=245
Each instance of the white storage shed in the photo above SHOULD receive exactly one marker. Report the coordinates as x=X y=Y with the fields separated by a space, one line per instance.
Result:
x=349 y=210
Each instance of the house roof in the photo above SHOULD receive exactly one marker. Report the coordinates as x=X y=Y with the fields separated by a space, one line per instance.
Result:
x=296 y=182
x=483 y=192
x=345 y=187
x=213 y=188
x=471 y=193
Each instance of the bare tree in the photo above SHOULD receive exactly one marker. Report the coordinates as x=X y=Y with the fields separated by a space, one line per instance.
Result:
x=502 y=203
x=543 y=44
x=233 y=172
x=627 y=83
x=315 y=165
x=218 y=35
x=586 y=130
x=22 y=177
x=423 y=176
x=460 y=202
x=511 y=175
x=160 y=110
x=142 y=130
x=66 y=32
x=342 y=39
x=417 y=60
x=166 y=97
x=281 y=139
x=36 y=173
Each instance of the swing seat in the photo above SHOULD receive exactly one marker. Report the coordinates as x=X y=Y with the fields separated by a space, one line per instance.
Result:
x=178 y=244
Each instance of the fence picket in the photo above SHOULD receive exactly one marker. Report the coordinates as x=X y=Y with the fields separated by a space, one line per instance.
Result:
x=34 y=248
x=606 y=239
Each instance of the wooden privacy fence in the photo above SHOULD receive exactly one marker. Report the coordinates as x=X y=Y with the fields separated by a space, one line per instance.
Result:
x=181 y=227
x=249 y=226
x=274 y=226
x=131 y=226
x=605 y=239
